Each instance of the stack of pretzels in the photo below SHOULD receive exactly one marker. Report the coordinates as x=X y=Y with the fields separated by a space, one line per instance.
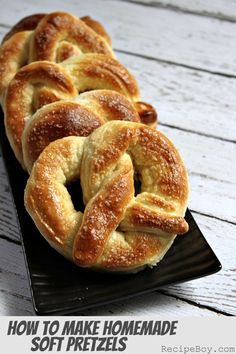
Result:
x=73 y=112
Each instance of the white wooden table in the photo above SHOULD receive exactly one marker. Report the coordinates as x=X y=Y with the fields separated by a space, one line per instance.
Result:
x=183 y=53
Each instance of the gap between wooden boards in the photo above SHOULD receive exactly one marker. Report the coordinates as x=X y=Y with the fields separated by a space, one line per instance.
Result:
x=178 y=7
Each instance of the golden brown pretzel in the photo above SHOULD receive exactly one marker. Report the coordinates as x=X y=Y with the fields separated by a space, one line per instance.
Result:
x=78 y=117
x=29 y=23
x=118 y=231
x=60 y=35
x=40 y=83
x=29 y=90
x=54 y=37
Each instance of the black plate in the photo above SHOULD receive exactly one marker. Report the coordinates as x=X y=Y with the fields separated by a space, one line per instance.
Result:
x=59 y=287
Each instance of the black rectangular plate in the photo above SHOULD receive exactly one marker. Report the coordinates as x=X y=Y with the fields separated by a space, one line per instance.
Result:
x=59 y=287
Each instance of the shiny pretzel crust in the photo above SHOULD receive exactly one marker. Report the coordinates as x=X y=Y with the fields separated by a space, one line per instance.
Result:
x=40 y=83
x=118 y=231
x=59 y=28
x=78 y=117
x=55 y=37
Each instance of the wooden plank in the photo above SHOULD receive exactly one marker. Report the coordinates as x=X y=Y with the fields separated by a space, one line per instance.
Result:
x=15 y=298
x=185 y=98
x=213 y=158
x=211 y=171
x=153 y=304
x=8 y=222
x=195 y=41
x=219 y=290
x=212 y=197
x=221 y=9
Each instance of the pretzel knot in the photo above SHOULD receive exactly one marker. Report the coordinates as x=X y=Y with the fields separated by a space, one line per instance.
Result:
x=54 y=37
x=41 y=83
x=118 y=231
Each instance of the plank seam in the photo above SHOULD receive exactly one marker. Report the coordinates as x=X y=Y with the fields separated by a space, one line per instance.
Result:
x=217 y=16
x=193 y=303
x=213 y=217
x=164 y=61
x=197 y=133
x=5 y=26
x=202 y=175
x=6 y=238
x=19 y=296
x=169 y=62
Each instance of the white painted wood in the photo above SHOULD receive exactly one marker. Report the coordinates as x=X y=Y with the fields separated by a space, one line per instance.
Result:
x=15 y=297
x=8 y=222
x=222 y=9
x=212 y=197
x=219 y=290
x=186 y=98
x=153 y=304
x=160 y=33
x=212 y=172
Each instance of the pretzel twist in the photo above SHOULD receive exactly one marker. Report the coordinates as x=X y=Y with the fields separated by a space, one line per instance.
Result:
x=41 y=83
x=74 y=91
x=117 y=231
x=54 y=37
x=78 y=117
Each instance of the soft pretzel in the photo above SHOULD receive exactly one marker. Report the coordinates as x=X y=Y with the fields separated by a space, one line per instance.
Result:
x=60 y=35
x=29 y=23
x=54 y=37
x=117 y=231
x=41 y=83
x=78 y=117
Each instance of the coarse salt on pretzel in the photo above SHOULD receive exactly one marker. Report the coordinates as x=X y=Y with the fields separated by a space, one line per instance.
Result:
x=41 y=83
x=54 y=37
x=118 y=231
x=78 y=117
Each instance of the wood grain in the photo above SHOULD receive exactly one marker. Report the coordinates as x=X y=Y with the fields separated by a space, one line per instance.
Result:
x=212 y=173
x=220 y=9
x=15 y=298
x=217 y=291
x=8 y=222
x=188 y=99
